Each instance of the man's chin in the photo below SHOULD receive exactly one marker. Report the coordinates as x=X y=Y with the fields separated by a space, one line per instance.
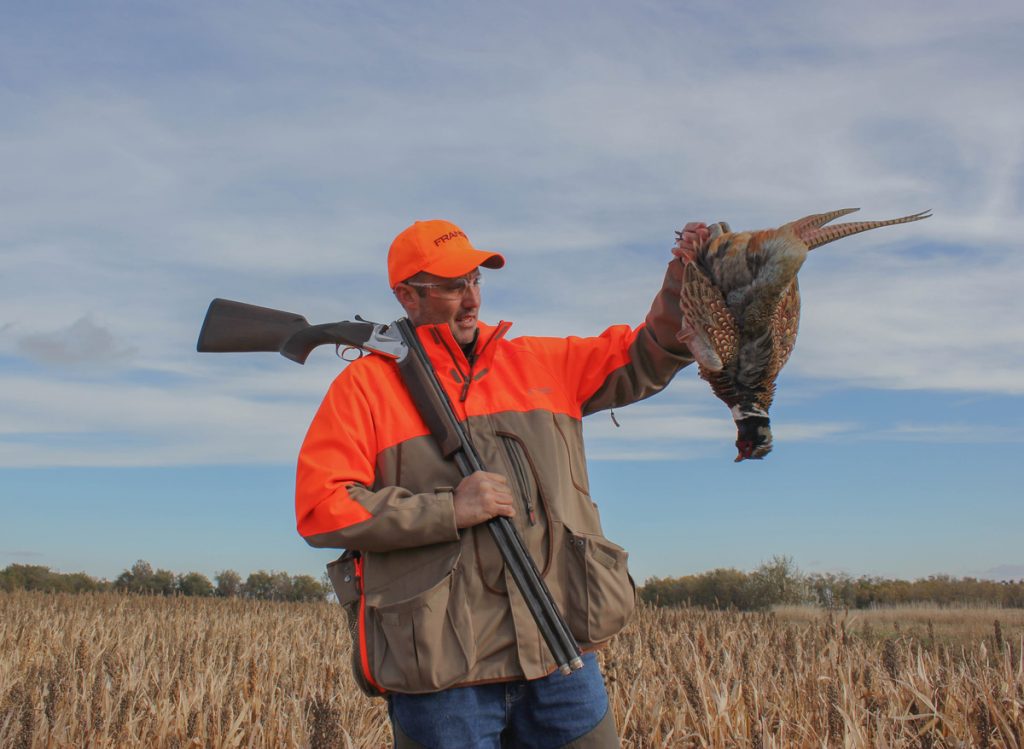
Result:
x=464 y=330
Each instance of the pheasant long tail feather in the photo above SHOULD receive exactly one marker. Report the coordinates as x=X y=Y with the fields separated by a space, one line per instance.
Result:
x=808 y=224
x=815 y=236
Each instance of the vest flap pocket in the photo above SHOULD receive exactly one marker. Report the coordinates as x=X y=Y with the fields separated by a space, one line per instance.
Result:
x=424 y=642
x=599 y=591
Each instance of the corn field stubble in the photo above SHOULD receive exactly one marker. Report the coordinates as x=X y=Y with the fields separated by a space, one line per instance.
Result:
x=107 y=670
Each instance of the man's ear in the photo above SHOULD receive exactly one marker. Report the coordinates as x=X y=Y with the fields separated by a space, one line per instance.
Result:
x=407 y=297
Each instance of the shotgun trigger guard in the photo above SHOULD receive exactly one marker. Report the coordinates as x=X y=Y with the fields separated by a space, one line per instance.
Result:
x=343 y=353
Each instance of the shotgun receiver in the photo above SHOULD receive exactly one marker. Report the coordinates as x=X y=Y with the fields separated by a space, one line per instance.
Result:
x=235 y=327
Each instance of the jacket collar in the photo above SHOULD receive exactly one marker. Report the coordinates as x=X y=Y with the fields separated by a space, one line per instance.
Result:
x=443 y=349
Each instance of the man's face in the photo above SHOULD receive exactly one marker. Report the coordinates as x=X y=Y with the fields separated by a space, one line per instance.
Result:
x=451 y=301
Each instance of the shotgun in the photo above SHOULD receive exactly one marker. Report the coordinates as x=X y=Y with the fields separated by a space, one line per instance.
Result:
x=235 y=327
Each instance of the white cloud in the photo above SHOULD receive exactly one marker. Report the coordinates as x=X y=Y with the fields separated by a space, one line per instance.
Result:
x=894 y=318
x=686 y=423
x=952 y=433
x=116 y=424
x=82 y=342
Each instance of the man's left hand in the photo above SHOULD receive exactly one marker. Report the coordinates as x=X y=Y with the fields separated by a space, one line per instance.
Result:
x=693 y=235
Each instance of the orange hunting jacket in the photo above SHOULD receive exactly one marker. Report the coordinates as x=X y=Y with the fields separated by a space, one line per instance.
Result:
x=431 y=606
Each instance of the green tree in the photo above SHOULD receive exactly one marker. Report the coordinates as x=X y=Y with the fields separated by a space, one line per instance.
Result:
x=723 y=589
x=28 y=577
x=36 y=577
x=229 y=583
x=137 y=579
x=194 y=584
x=163 y=583
x=663 y=591
x=259 y=585
x=777 y=581
x=280 y=586
x=308 y=588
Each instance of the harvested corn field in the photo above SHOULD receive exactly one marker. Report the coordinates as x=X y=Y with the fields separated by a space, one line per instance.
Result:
x=108 y=670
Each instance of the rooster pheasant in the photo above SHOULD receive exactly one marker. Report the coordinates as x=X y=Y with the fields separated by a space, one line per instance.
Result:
x=741 y=309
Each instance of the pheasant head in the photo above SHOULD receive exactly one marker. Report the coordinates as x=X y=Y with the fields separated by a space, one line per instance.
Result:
x=741 y=311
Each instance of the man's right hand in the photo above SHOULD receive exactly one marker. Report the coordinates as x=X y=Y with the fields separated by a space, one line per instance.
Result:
x=481 y=496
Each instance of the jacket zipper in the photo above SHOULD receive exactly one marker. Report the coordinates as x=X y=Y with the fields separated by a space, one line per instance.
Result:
x=520 y=478
x=471 y=359
x=458 y=369
x=498 y=333
x=469 y=378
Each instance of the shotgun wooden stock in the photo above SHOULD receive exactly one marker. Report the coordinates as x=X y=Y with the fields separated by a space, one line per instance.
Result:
x=236 y=327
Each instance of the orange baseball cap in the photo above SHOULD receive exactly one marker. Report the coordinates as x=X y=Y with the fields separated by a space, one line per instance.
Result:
x=438 y=247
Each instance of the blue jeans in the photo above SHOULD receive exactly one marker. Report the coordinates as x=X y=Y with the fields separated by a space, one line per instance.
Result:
x=540 y=714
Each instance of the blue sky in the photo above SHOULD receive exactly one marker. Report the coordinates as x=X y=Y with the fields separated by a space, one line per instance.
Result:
x=158 y=155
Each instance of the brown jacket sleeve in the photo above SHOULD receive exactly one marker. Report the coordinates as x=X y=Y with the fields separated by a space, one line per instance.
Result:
x=654 y=354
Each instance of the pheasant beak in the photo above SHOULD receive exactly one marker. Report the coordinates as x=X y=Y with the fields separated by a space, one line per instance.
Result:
x=746 y=450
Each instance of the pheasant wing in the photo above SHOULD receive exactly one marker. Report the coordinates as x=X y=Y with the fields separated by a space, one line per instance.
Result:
x=709 y=328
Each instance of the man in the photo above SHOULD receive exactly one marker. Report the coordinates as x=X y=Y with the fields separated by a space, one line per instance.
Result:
x=438 y=625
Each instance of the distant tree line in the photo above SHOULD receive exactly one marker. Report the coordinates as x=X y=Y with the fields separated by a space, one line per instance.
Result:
x=776 y=582
x=780 y=582
x=141 y=578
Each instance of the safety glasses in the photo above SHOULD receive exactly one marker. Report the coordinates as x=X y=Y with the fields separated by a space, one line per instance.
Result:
x=451 y=289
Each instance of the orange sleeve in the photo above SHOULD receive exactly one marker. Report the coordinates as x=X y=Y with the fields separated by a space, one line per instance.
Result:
x=334 y=504
x=334 y=454
x=583 y=365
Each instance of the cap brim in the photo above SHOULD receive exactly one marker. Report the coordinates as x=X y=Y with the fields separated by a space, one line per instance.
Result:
x=455 y=265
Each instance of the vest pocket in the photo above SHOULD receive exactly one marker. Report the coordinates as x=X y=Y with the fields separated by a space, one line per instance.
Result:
x=424 y=642
x=600 y=592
